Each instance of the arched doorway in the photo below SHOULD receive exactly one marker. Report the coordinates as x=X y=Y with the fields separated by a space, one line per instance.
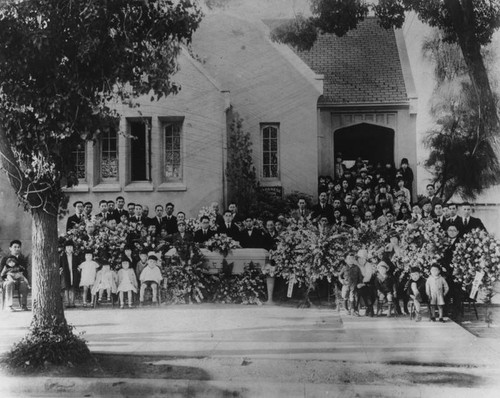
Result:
x=368 y=141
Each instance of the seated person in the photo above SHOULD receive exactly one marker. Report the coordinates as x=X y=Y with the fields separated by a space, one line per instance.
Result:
x=142 y=263
x=385 y=286
x=204 y=233
x=416 y=290
x=13 y=275
x=150 y=277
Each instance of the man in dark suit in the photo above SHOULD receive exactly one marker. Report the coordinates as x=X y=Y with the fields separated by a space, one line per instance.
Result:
x=219 y=219
x=157 y=220
x=170 y=221
x=229 y=227
x=87 y=210
x=431 y=196
x=76 y=218
x=204 y=233
x=251 y=237
x=301 y=213
x=70 y=276
x=23 y=262
x=138 y=216
x=104 y=214
x=237 y=217
x=469 y=223
x=270 y=236
x=439 y=215
x=120 y=209
x=322 y=208
x=455 y=294
x=454 y=218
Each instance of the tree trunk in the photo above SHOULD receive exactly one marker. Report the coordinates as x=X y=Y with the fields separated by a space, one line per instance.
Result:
x=462 y=16
x=47 y=301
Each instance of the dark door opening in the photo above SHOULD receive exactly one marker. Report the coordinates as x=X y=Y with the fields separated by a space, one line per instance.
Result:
x=370 y=142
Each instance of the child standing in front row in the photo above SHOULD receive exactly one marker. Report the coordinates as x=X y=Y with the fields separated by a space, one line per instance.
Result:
x=89 y=270
x=415 y=289
x=127 y=282
x=436 y=288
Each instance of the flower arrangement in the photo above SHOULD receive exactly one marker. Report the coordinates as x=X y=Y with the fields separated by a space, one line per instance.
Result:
x=221 y=243
x=246 y=288
x=187 y=280
x=421 y=244
x=304 y=255
x=478 y=251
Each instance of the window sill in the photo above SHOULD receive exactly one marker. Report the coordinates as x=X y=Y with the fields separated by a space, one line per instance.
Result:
x=172 y=186
x=107 y=187
x=82 y=187
x=143 y=186
x=270 y=183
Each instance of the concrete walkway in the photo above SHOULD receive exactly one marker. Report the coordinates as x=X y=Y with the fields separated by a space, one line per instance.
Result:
x=276 y=335
x=269 y=332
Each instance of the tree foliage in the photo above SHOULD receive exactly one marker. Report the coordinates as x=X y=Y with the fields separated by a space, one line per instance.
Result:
x=240 y=171
x=462 y=160
x=62 y=63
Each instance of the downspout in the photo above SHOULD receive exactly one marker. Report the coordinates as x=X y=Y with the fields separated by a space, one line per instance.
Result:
x=228 y=114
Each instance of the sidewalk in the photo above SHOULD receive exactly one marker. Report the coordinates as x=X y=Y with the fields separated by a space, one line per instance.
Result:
x=268 y=332
x=277 y=339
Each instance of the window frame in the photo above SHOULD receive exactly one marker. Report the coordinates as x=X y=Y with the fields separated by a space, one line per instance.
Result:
x=106 y=180
x=166 y=122
x=263 y=127
x=75 y=152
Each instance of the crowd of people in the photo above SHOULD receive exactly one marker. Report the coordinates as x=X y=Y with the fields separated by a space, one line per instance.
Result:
x=361 y=195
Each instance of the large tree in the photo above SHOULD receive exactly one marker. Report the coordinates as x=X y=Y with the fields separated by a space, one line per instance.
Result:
x=468 y=23
x=62 y=63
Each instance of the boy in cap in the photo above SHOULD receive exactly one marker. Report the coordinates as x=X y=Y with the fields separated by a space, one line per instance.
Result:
x=385 y=287
x=416 y=290
x=150 y=277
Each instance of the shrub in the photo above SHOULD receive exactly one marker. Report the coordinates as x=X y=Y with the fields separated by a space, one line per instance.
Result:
x=54 y=345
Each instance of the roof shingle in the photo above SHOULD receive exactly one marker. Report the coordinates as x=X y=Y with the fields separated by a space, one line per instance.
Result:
x=361 y=67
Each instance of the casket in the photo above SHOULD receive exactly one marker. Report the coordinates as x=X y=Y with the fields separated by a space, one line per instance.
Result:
x=240 y=258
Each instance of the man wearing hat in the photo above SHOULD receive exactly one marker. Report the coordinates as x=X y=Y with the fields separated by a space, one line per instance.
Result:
x=13 y=276
x=150 y=277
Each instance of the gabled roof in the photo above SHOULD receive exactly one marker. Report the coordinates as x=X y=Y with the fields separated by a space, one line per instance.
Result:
x=361 y=67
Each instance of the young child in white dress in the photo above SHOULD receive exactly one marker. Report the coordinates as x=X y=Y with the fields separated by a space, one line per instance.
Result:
x=127 y=282
x=436 y=288
x=150 y=276
x=88 y=271
x=104 y=281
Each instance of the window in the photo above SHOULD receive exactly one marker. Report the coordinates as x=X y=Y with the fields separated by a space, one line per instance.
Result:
x=173 y=151
x=140 y=150
x=270 y=154
x=109 y=156
x=78 y=158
